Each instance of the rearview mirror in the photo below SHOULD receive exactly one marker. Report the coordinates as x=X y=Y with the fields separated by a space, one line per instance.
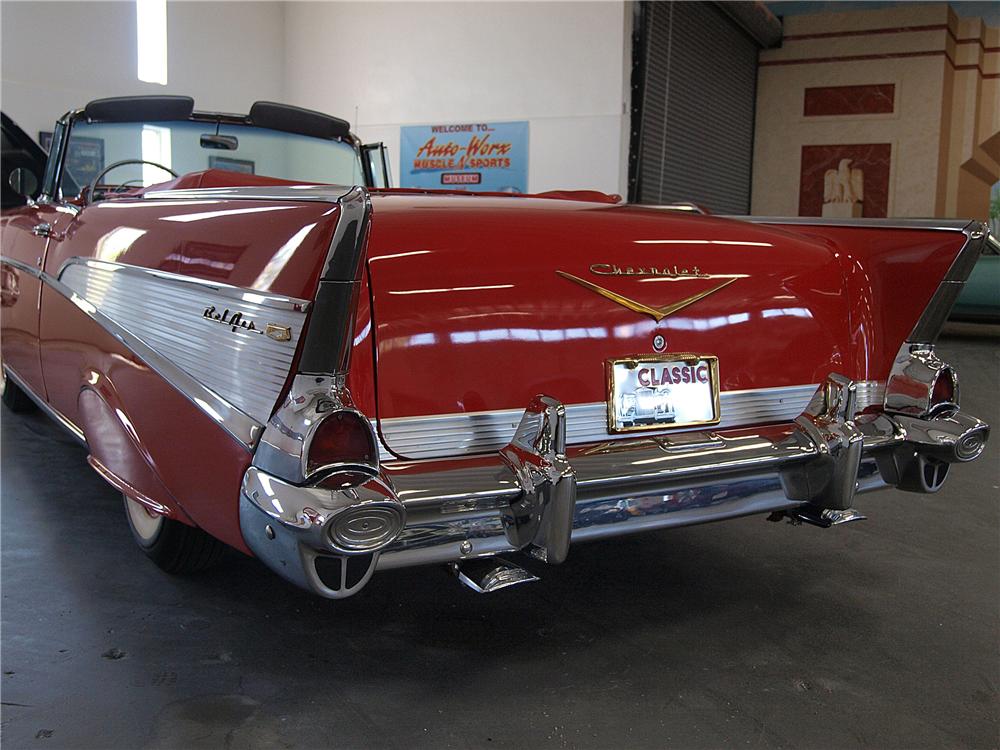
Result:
x=23 y=182
x=220 y=142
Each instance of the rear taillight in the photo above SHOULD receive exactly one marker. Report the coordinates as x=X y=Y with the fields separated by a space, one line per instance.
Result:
x=343 y=439
x=945 y=391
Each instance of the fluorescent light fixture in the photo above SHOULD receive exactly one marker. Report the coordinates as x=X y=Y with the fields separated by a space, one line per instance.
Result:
x=151 y=40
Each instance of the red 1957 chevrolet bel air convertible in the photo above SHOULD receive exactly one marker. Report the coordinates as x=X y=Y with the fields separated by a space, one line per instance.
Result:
x=344 y=379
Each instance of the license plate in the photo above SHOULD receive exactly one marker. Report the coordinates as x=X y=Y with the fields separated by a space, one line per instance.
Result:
x=662 y=392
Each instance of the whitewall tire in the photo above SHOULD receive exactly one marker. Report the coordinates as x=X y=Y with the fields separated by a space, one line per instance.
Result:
x=174 y=546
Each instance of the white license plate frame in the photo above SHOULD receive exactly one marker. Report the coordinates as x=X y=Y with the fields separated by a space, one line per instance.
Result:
x=685 y=404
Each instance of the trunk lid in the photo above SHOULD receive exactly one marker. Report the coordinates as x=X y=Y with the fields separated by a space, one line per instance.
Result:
x=479 y=304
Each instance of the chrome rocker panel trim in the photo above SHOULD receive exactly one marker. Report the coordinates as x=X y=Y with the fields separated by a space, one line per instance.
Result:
x=537 y=495
x=50 y=411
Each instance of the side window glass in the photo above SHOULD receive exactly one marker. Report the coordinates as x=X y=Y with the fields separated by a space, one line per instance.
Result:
x=48 y=182
x=376 y=164
x=84 y=159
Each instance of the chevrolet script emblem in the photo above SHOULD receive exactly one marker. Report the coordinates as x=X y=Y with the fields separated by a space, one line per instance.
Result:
x=656 y=313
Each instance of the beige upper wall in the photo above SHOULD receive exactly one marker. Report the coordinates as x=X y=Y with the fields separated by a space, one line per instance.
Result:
x=943 y=119
x=912 y=129
x=970 y=145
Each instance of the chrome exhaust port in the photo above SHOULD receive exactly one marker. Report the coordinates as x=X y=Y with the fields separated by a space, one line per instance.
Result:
x=815 y=516
x=488 y=574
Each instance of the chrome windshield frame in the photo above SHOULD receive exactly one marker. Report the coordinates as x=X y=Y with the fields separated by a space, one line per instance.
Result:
x=52 y=182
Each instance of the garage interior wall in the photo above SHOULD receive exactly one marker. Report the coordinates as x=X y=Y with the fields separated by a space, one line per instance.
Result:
x=562 y=66
x=57 y=56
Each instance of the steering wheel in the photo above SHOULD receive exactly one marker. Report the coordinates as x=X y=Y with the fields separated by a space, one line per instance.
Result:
x=96 y=181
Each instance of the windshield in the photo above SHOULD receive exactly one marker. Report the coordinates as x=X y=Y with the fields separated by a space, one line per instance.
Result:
x=188 y=147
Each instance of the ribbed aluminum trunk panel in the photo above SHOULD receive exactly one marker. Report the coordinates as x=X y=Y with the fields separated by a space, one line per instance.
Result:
x=484 y=432
x=167 y=312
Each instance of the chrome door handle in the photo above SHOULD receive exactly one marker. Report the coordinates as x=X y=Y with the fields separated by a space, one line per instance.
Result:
x=42 y=230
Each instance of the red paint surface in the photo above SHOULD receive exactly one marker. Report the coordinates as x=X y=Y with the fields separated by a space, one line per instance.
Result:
x=274 y=247
x=872 y=158
x=849 y=100
x=890 y=276
x=158 y=441
x=469 y=314
x=21 y=290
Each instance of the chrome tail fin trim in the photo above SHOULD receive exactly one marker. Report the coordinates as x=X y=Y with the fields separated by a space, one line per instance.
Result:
x=939 y=308
x=318 y=387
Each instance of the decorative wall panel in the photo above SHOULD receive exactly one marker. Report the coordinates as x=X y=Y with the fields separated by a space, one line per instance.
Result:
x=872 y=158
x=874 y=99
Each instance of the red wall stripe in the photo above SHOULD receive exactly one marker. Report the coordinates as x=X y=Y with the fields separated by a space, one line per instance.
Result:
x=880 y=56
x=893 y=30
x=871 y=99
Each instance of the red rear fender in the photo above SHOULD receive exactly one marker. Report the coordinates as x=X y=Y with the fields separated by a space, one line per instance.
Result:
x=115 y=450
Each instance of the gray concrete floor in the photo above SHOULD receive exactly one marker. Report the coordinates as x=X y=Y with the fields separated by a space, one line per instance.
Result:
x=880 y=634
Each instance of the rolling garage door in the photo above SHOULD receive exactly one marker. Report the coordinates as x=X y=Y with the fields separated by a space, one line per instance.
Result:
x=693 y=88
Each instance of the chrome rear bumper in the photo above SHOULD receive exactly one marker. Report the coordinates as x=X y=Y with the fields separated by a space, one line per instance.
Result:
x=537 y=497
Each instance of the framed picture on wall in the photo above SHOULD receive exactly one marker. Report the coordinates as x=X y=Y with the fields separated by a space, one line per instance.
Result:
x=244 y=166
x=85 y=159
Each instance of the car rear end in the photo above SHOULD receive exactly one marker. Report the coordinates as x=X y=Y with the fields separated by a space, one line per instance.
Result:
x=493 y=375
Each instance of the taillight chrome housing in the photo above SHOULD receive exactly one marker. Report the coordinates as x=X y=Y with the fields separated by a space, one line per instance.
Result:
x=316 y=432
x=921 y=384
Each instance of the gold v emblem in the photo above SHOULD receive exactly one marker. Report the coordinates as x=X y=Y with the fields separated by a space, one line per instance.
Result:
x=656 y=313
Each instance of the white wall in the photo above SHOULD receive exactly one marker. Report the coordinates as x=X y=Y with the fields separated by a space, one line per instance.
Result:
x=562 y=66
x=59 y=55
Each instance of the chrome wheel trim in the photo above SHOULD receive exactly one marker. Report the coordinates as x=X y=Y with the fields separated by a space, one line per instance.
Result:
x=145 y=523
